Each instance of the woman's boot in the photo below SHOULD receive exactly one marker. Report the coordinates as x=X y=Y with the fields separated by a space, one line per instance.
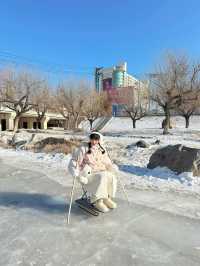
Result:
x=110 y=203
x=101 y=206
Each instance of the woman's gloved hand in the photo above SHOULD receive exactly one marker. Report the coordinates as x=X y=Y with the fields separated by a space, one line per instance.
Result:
x=112 y=168
x=116 y=168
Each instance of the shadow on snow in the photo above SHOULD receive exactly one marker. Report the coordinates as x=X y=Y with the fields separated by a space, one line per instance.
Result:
x=40 y=202
x=162 y=173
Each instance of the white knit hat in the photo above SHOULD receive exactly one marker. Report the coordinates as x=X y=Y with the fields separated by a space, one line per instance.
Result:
x=100 y=135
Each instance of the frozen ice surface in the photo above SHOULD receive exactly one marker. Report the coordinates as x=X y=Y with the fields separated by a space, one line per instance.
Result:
x=33 y=228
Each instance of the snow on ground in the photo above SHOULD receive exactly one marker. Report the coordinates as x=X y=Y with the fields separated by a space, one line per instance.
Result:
x=132 y=161
x=118 y=124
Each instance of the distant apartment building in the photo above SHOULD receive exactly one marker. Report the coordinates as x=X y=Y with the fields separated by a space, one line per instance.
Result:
x=120 y=86
x=113 y=77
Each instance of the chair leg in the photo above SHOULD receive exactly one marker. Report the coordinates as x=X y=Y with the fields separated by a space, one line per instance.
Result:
x=84 y=192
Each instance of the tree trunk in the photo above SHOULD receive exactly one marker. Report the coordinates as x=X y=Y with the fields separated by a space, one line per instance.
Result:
x=76 y=122
x=187 y=121
x=91 y=123
x=134 y=123
x=166 y=123
x=16 y=123
x=71 y=123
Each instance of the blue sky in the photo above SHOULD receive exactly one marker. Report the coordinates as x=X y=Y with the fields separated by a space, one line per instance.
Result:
x=82 y=34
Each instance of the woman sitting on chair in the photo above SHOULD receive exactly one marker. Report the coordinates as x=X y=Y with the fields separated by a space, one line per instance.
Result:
x=92 y=165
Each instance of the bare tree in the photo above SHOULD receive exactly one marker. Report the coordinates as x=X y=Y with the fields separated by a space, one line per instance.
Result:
x=15 y=93
x=95 y=106
x=70 y=101
x=42 y=101
x=188 y=108
x=190 y=94
x=168 y=84
x=61 y=106
x=135 y=102
x=135 y=113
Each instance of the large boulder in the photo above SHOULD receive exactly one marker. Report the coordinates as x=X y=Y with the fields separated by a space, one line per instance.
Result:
x=178 y=158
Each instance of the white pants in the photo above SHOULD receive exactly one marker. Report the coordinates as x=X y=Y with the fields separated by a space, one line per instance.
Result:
x=101 y=185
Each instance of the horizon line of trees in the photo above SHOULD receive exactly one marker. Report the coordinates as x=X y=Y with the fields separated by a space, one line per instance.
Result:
x=174 y=87
x=75 y=101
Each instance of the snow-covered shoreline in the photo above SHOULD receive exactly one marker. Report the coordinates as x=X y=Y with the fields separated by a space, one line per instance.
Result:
x=132 y=161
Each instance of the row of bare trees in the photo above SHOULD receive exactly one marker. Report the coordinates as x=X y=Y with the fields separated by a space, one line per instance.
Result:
x=79 y=102
x=176 y=88
x=23 y=91
x=16 y=93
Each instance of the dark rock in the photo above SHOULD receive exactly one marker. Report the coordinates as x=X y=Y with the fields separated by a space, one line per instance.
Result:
x=157 y=142
x=178 y=158
x=142 y=144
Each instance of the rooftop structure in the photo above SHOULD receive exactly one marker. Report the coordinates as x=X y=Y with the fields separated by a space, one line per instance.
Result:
x=113 y=77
